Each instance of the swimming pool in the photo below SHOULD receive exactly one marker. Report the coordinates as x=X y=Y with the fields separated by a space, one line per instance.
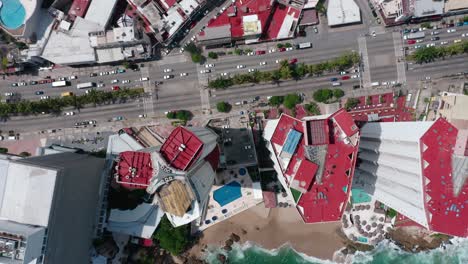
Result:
x=359 y=196
x=228 y=193
x=12 y=14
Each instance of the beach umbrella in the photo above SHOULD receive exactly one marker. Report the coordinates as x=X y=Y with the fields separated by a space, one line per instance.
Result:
x=367 y=227
x=381 y=219
x=368 y=207
x=374 y=224
x=364 y=222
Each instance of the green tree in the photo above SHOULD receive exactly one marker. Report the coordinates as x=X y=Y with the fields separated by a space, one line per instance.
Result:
x=184 y=115
x=291 y=100
x=338 y=93
x=280 y=45
x=223 y=107
x=192 y=48
x=312 y=108
x=4 y=63
x=171 y=115
x=351 y=103
x=276 y=100
x=238 y=51
x=197 y=57
x=3 y=150
x=220 y=83
x=287 y=45
x=173 y=239
x=322 y=95
x=300 y=70
x=126 y=64
x=426 y=25
x=212 y=55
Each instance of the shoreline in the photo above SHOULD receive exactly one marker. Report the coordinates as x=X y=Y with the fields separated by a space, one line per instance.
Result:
x=272 y=229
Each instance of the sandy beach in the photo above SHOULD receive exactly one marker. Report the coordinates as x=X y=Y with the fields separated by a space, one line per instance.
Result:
x=273 y=228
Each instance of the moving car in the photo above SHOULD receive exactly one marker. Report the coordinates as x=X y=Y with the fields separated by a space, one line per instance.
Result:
x=33 y=82
x=435 y=38
x=346 y=77
x=293 y=61
x=39 y=92
x=182 y=74
x=73 y=77
x=211 y=65
x=252 y=70
x=289 y=49
x=115 y=88
x=125 y=81
x=69 y=113
x=205 y=71
x=166 y=77
x=167 y=70
x=45 y=97
x=262 y=63
x=411 y=41
x=115 y=81
x=334 y=79
x=451 y=30
x=224 y=74
x=142 y=115
x=144 y=79
x=99 y=85
x=435 y=33
x=240 y=66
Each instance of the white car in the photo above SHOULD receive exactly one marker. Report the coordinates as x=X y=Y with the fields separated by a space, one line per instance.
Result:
x=182 y=74
x=271 y=50
x=125 y=81
x=73 y=77
x=115 y=81
x=45 y=97
x=205 y=71
x=252 y=70
x=451 y=30
x=69 y=113
x=355 y=76
x=343 y=73
x=262 y=63
x=435 y=33
x=102 y=73
x=430 y=45
x=384 y=83
x=277 y=61
x=419 y=40
x=417 y=46
x=144 y=79
x=211 y=65
x=99 y=85
x=444 y=43
x=167 y=70
x=428 y=78
x=224 y=74
x=289 y=49
x=464 y=35
x=457 y=41
x=240 y=66
x=251 y=53
x=193 y=38
x=181 y=50
x=166 y=77
x=9 y=94
x=113 y=72
x=62 y=78
x=142 y=116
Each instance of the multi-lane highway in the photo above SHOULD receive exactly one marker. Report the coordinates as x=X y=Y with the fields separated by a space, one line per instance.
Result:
x=184 y=92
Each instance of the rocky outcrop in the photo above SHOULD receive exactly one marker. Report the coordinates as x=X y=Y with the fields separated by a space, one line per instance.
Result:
x=416 y=239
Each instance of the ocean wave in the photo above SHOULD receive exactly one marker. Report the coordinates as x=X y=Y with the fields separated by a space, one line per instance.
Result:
x=385 y=252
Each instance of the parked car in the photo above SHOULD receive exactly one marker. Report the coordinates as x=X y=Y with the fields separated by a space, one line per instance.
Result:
x=262 y=63
x=39 y=92
x=281 y=49
x=211 y=65
x=451 y=30
x=115 y=81
x=334 y=79
x=167 y=70
x=93 y=74
x=293 y=61
x=166 y=77
x=260 y=52
x=346 y=77
x=240 y=66
x=45 y=97
x=182 y=74
x=435 y=38
x=115 y=88
x=125 y=81
x=205 y=71
x=33 y=82
x=69 y=113
x=435 y=33
x=411 y=41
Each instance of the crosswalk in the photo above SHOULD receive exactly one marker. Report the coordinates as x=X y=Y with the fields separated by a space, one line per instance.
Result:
x=365 y=75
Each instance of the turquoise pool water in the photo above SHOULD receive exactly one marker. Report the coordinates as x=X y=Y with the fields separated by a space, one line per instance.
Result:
x=228 y=193
x=12 y=14
x=359 y=196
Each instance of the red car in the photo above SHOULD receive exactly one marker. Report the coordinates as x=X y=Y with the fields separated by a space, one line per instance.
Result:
x=115 y=88
x=293 y=61
x=345 y=77
x=260 y=52
x=42 y=81
x=411 y=41
x=282 y=49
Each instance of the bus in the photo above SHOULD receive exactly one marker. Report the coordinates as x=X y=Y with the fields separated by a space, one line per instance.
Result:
x=64 y=94
x=60 y=84
x=85 y=85
x=416 y=35
x=304 y=45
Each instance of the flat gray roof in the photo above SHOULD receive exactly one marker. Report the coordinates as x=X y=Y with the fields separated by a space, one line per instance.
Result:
x=100 y=11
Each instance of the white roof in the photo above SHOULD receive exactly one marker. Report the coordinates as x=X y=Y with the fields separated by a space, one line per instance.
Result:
x=455 y=5
x=257 y=190
x=285 y=30
x=72 y=47
x=141 y=221
x=28 y=194
x=109 y=55
x=121 y=143
x=341 y=12
x=390 y=166
x=424 y=8
x=100 y=11
x=310 y=4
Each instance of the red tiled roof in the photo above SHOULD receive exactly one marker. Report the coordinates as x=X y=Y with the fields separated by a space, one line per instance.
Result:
x=181 y=148
x=324 y=200
x=304 y=175
x=309 y=17
x=346 y=123
x=134 y=169
x=79 y=8
x=170 y=3
x=447 y=213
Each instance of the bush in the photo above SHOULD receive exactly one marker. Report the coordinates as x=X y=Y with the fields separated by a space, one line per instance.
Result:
x=322 y=95
x=291 y=100
x=276 y=100
x=172 y=239
x=223 y=107
x=338 y=93
x=238 y=51
x=220 y=83
x=3 y=150
x=391 y=213
x=280 y=45
x=212 y=55
x=312 y=108
x=287 y=45
x=25 y=154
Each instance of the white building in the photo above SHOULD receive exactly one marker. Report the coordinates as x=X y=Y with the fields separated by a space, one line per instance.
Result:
x=343 y=12
x=412 y=168
x=179 y=174
x=48 y=208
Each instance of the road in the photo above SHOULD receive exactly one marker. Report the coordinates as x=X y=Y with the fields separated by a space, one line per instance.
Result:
x=184 y=92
